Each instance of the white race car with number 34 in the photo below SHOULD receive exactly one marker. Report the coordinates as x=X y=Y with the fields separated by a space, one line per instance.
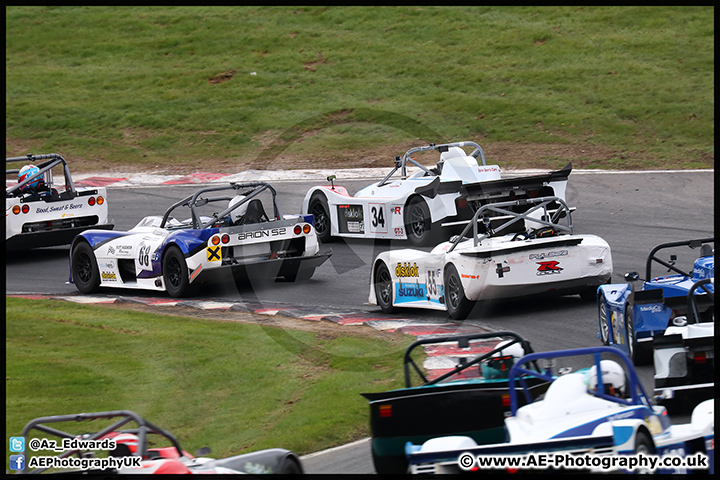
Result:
x=418 y=206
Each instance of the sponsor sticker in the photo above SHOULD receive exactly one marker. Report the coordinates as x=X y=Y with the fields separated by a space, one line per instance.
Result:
x=214 y=254
x=407 y=270
x=549 y=268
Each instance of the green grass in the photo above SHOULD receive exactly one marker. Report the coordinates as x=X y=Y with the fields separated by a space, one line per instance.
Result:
x=130 y=86
x=234 y=387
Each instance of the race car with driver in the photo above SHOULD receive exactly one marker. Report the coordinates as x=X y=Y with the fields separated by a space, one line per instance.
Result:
x=42 y=212
x=631 y=314
x=427 y=205
x=225 y=235
x=534 y=251
x=129 y=444
x=599 y=411
x=469 y=375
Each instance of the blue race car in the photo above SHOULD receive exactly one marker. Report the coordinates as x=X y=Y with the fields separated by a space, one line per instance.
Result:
x=601 y=411
x=629 y=317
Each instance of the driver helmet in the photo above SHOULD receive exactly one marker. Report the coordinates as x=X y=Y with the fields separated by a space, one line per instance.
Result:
x=126 y=444
x=239 y=212
x=613 y=378
x=26 y=172
x=499 y=364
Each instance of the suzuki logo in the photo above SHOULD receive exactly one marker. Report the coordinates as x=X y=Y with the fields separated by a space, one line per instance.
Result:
x=548 y=268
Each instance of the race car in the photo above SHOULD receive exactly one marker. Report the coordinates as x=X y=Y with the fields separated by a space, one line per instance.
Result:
x=540 y=255
x=684 y=357
x=599 y=410
x=474 y=380
x=629 y=317
x=42 y=213
x=120 y=449
x=234 y=241
x=428 y=204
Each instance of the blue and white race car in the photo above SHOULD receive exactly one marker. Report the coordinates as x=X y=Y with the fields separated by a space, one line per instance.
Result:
x=601 y=410
x=420 y=205
x=629 y=317
x=234 y=239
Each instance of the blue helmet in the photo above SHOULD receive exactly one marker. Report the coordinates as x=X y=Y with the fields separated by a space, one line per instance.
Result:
x=26 y=172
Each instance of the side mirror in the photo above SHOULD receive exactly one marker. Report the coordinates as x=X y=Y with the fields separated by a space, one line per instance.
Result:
x=679 y=321
x=330 y=179
x=632 y=276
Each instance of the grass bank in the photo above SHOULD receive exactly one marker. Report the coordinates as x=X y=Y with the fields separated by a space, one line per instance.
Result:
x=234 y=387
x=204 y=87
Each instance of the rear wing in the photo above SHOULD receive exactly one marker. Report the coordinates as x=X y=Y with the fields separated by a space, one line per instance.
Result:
x=45 y=163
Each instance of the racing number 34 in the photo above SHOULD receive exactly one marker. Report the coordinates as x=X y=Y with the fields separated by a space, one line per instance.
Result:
x=378 y=217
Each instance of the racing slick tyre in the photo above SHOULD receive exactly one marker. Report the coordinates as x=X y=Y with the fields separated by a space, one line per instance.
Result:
x=318 y=207
x=85 y=273
x=603 y=326
x=384 y=288
x=418 y=224
x=457 y=304
x=644 y=446
x=641 y=354
x=175 y=272
x=290 y=466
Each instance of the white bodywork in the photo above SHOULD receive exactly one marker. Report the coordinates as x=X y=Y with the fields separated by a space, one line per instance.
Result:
x=42 y=210
x=140 y=246
x=493 y=267
x=378 y=210
x=499 y=268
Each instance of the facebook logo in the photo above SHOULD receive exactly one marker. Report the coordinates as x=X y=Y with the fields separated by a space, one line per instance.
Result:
x=17 y=462
x=17 y=444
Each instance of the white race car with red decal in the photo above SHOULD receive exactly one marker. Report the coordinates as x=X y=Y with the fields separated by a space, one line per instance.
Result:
x=540 y=255
x=40 y=212
x=418 y=206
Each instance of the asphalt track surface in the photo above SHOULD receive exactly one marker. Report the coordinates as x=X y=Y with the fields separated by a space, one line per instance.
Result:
x=633 y=212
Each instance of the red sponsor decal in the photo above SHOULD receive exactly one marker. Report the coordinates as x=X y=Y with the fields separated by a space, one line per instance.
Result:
x=548 y=266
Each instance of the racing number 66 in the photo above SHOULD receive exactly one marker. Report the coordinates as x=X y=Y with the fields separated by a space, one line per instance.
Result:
x=144 y=256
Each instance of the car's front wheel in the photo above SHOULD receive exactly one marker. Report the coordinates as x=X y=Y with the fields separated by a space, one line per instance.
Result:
x=384 y=288
x=318 y=207
x=86 y=275
x=175 y=272
x=457 y=304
